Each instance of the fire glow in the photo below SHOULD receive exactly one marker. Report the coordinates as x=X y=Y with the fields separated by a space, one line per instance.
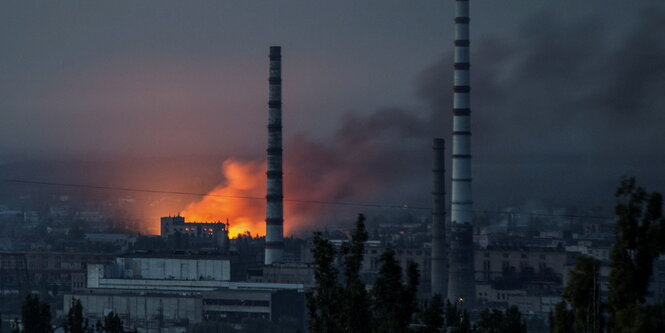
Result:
x=240 y=198
x=234 y=199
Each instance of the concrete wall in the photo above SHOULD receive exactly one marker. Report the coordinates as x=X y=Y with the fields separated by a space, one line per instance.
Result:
x=176 y=268
x=135 y=309
x=97 y=279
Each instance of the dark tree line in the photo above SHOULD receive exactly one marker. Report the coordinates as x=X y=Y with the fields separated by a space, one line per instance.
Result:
x=640 y=239
x=497 y=321
x=343 y=303
x=36 y=318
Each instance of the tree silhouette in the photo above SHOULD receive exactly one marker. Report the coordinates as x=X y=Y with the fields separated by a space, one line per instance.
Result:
x=75 y=323
x=640 y=239
x=36 y=316
x=431 y=315
x=356 y=316
x=393 y=302
x=324 y=301
x=113 y=323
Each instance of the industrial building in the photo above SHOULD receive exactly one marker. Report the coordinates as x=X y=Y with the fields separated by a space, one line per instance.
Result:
x=145 y=312
x=218 y=232
x=177 y=289
x=159 y=271
x=234 y=306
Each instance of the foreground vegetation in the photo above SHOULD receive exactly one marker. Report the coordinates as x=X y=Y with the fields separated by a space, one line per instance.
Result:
x=344 y=303
x=640 y=239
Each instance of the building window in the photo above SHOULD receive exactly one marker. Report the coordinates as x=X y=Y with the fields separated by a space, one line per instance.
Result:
x=486 y=270
x=542 y=266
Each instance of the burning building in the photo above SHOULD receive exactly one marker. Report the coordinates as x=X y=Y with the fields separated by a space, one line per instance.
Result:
x=218 y=231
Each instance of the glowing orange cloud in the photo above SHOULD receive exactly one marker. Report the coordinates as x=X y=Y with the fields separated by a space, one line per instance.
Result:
x=240 y=197
x=232 y=199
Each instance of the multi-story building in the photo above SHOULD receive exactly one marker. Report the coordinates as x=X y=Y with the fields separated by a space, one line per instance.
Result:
x=27 y=270
x=528 y=277
x=529 y=264
x=217 y=231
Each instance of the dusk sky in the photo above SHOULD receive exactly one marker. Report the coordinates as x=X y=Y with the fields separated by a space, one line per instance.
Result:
x=567 y=95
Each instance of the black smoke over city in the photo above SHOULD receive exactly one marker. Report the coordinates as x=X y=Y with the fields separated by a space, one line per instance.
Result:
x=560 y=113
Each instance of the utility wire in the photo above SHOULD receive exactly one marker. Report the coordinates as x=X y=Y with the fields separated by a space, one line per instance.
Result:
x=317 y=202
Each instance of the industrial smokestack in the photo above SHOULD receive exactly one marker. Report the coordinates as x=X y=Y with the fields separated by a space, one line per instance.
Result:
x=274 y=197
x=461 y=287
x=439 y=253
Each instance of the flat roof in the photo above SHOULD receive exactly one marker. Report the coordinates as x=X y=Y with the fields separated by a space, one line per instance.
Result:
x=176 y=255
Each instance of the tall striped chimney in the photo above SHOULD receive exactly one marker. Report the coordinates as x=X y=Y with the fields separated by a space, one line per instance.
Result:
x=461 y=284
x=439 y=254
x=274 y=196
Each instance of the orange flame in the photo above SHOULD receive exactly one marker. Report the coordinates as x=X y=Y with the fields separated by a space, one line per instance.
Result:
x=240 y=199
x=232 y=199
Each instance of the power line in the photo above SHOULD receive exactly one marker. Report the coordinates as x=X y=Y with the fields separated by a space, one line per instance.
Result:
x=317 y=202
x=131 y=189
x=116 y=188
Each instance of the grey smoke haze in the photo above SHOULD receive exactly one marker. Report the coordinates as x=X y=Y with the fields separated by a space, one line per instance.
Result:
x=560 y=112
x=566 y=98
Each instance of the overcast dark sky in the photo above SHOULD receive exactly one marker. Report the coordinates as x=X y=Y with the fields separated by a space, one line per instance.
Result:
x=568 y=94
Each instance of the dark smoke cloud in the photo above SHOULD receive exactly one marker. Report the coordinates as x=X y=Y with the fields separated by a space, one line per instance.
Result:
x=560 y=89
x=369 y=159
x=560 y=112
x=364 y=156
